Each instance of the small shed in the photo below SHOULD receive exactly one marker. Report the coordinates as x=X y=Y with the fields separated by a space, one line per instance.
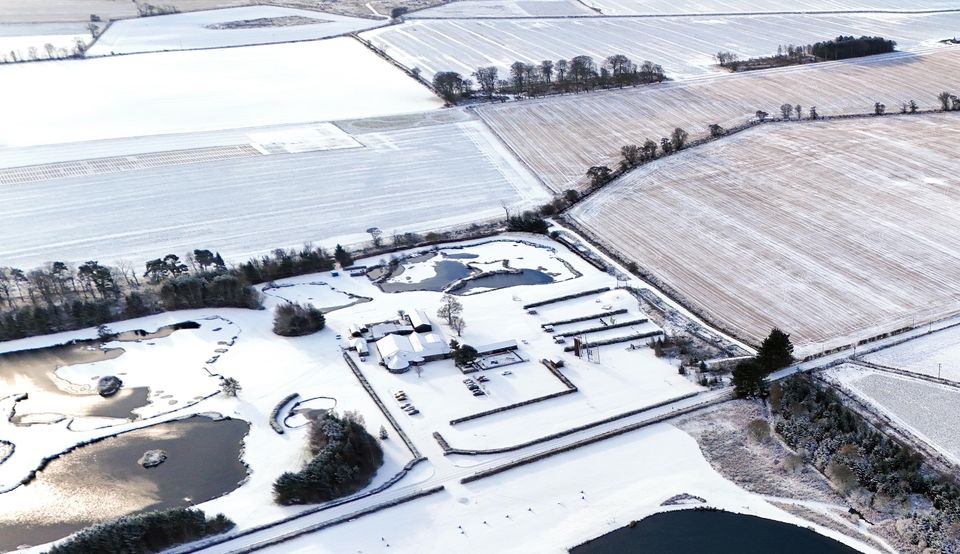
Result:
x=420 y=321
x=360 y=346
x=497 y=347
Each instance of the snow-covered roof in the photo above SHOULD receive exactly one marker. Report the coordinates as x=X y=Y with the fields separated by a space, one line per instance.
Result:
x=379 y=330
x=397 y=352
x=419 y=320
x=497 y=346
x=360 y=346
x=429 y=344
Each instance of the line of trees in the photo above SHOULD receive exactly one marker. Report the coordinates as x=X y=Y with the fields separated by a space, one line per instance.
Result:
x=345 y=458
x=840 y=48
x=867 y=465
x=143 y=533
x=63 y=297
x=580 y=73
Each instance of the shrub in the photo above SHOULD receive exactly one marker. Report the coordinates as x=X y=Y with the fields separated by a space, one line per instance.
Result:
x=345 y=458
x=294 y=320
x=149 y=532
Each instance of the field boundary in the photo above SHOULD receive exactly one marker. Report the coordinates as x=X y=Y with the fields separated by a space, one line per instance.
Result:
x=447 y=449
x=383 y=408
x=591 y=440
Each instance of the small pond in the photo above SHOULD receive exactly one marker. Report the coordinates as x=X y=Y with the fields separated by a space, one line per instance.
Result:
x=103 y=480
x=716 y=532
x=504 y=280
x=447 y=271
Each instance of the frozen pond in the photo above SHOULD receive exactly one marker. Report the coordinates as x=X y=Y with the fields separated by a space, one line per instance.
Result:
x=50 y=398
x=478 y=268
x=103 y=480
x=683 y=531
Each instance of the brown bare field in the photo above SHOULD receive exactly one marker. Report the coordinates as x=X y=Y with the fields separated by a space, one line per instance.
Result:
x=48 y=11
x=560 y=137
x=833 y=231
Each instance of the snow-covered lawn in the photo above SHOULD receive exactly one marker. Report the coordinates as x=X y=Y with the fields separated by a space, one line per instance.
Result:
x=928 y=410
x=128 y=96
x=936 y=354
x=227 y=27
x=552 y=505
x=832 y=231
x=416 y=176
x=684 y=46
x=622 y=381
x=646 y=467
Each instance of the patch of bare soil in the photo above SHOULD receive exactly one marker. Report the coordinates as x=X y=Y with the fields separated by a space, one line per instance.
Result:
x=738 y=442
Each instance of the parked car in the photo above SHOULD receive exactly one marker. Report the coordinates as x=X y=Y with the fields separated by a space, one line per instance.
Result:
x=507 y=372
x=478 y=393
x=414 y=411
x=483 y=378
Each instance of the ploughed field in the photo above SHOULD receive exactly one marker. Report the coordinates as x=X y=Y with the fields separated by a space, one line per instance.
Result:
x=684 y=46
x=561 y=137
x=832 y=231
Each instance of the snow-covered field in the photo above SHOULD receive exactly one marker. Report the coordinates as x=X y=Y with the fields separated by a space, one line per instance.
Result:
x=134 y=96
x=684 y=46
x=411 y=174
x=30 y=11
x=21 y=37
x=928 y=410
x=554 y=8
x=552 y=505
x=226 y=27
x=589 y=129
x=838 y=230
x=628 y=7
x=504 y=8
x=936 y=354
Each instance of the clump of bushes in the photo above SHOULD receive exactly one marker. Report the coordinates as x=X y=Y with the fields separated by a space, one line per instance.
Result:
x=208 y=291
x=345 y=458
x=295 y=320
x=528 y=222
x=858 y=458
x=142 y=533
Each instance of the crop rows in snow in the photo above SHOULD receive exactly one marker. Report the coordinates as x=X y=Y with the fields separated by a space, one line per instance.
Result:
x=408 y=179
x=925 y=409
x=832 y=231
x=937 y=355
x=684 y=46
x=561 y=137
x=555 y=8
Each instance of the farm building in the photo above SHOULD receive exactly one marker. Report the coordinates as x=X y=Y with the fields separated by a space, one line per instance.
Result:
x=360 y=346
x=398 y=352
x=420 y=321
x=497 y=347
x=381 y=330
